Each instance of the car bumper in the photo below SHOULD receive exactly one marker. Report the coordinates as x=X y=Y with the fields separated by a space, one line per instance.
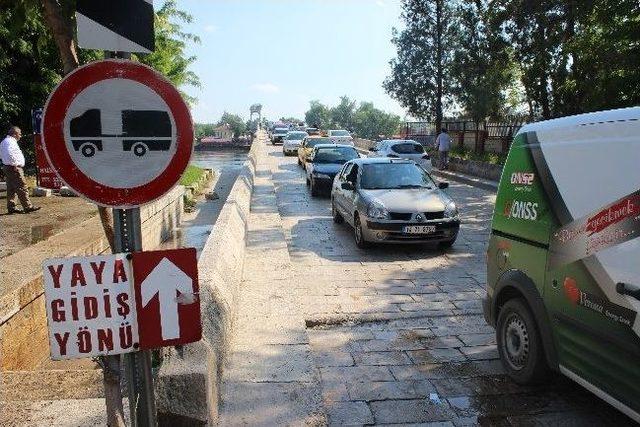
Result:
x=486 y=309
x=323 y=184
x=290 y=148
x=392 y=232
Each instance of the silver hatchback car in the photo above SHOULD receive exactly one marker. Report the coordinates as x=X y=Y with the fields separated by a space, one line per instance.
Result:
x=393 y=201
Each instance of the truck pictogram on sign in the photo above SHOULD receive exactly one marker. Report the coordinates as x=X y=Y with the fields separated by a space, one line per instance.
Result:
x=142 y=131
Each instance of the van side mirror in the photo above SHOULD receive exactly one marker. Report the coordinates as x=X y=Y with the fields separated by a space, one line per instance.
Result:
x=443 y=185
x=347 y=186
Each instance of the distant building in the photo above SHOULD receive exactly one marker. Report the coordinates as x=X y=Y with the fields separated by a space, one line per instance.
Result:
x=223 y=132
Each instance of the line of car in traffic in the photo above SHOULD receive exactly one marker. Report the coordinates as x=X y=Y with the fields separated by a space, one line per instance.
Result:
x=386 y=197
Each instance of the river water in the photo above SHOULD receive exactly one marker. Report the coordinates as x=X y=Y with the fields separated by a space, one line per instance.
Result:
x=196 y=226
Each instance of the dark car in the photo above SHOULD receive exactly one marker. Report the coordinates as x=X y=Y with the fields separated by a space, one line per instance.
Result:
x=325 y=162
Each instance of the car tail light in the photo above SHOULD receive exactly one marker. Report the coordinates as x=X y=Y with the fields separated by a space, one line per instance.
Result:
x=393 y=156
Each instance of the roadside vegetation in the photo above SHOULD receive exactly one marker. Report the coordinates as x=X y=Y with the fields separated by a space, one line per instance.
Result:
x=487 y=59
x=191 y=175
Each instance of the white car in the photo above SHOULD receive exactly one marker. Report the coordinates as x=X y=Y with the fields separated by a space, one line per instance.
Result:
x=292 y=142
x=340 y=136
x=402 y=149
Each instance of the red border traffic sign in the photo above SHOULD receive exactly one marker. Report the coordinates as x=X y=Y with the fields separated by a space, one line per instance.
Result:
x=56 y=148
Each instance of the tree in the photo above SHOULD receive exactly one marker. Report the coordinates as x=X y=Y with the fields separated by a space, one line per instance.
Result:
x=419 y=74
x=318 y=115
x=169 y=57
x=371 y=123
x=482 y=69
x=342 y=114
x=237 y=124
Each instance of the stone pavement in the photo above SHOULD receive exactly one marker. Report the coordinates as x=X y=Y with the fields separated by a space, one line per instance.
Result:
x=329 y=333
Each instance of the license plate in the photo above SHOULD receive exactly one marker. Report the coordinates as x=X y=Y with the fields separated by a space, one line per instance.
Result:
x=419 y=229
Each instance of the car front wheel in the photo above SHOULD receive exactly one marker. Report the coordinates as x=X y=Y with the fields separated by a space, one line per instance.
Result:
x=337 y=218
x=358 y=233
x=520 y=344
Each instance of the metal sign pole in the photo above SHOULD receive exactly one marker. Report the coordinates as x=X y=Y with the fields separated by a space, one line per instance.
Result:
x=128 y=238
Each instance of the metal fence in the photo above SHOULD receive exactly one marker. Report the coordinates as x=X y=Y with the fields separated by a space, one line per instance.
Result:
x=480 y=136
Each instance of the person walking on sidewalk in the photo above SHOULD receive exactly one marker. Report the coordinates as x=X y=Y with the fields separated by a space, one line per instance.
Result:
x=443 y=144
x=12 y=165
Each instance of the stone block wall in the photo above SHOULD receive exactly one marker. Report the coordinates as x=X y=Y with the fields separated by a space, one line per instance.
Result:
x=24 y=342
x=188 y=384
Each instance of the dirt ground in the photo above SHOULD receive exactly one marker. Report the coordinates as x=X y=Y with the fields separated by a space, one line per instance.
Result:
x=58 y=213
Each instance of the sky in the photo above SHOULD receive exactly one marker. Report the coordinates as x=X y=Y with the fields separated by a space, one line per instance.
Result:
x=285 y=53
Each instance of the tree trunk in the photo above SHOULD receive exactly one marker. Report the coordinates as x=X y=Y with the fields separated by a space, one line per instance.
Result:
x=62 y=31
x=439 y=65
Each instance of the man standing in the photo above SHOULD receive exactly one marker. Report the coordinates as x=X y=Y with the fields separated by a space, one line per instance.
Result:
x=443 y=144
x=12 y=164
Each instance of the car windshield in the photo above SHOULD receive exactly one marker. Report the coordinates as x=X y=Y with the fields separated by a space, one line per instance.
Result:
x=378 y=176
x=337 y=155
x=315 y=141
x=297 y=135
x=339 y=133
x=281 y=130
x=408 y=148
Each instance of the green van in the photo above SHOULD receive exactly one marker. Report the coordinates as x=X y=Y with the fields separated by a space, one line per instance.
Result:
x=563 y=262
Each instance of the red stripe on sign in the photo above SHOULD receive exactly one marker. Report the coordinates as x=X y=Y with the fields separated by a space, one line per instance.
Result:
x=59 y=157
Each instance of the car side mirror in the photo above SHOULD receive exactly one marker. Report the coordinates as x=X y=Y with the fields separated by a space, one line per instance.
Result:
x=347 y=186
x=443 y=185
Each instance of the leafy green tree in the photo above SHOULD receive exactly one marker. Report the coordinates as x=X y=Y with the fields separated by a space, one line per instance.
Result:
x=482 y=69
x=371 y=123
x=318 y=115
x=237 y=124
x=204 y=129
x=605 y=53
x=419 y=77
x=169 y=57
x=290 y=120
x=342 y=114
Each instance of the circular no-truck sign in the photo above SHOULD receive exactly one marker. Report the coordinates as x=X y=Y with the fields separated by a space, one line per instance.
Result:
x=118 y=133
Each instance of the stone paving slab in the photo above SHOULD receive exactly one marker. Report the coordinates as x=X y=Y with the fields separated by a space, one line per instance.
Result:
x=394 y=334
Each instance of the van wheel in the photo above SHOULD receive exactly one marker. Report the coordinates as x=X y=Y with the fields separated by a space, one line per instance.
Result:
x=519 y=343
x=337 y=218
x=139 y=149
x=358 y=234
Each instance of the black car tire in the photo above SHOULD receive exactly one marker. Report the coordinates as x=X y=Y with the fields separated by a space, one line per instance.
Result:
x=358 y=234
x=337 y=217
x=299 y=162
x=314 y=189
x=520 y=344
x=447 y=243
x=308 y=182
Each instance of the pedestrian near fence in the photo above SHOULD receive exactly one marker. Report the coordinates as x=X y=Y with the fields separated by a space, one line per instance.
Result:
x=12 y=166
x=443 y=145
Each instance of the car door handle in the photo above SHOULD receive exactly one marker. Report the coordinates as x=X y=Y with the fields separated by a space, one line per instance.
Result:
x=628 y=289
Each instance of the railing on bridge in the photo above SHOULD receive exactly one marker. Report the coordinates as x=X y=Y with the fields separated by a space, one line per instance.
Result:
x=485 y=136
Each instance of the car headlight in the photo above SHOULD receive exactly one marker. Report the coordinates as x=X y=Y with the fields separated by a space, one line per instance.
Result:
x=450 y=211
x=377 y=210
x=321 y=175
